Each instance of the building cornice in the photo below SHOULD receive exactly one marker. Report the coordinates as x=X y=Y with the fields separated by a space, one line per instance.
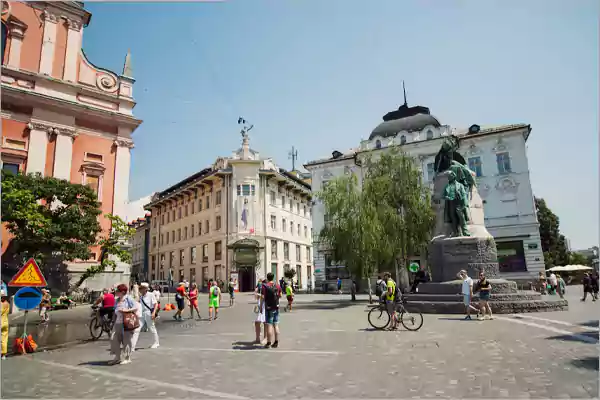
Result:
x=34 y=99
x=84 y=90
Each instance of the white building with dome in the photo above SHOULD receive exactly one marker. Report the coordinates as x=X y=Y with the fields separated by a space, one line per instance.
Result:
x=498 y=156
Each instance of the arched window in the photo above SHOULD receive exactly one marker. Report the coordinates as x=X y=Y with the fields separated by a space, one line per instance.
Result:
x=378 y=144
x=403 y=139
x=4 y=36
x=429 y=135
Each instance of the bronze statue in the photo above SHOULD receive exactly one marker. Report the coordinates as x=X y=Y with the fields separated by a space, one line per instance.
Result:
x=456 y=207
x=461 y=181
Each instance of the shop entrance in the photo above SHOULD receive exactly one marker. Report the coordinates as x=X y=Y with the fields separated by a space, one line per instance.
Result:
x=246 y=258
x=247 y=279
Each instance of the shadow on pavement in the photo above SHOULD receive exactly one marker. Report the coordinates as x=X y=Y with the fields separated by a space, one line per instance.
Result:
x=456 y=319
x=593 y=336
x=104 y=363
x=246 y=346
x=591 y=324
x=591 y=363
x=325 y=305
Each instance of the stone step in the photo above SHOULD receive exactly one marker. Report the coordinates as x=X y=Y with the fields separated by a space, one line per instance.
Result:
x=519 y=296
x=498 y=307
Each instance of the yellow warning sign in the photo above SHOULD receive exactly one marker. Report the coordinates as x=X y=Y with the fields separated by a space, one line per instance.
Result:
x=29 y=275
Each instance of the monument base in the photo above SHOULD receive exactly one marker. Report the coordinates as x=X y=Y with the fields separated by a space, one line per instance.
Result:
x=448 y=256
x=446 y=298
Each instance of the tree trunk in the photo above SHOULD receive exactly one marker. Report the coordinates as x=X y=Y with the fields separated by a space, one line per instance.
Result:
x=370 y=290
x=403 y=279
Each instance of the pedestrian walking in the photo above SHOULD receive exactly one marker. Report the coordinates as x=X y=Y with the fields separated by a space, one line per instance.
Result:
x=214 y=299
x=594 y=285
x=553 y=283
x=231 y=290
x=149 y=310
x=259 y=310
x=587 y=286
x=156 y=293
x=271 y=293
x=45 y=305
x=289 y=294
x=193 y=297
x=138 y=313
x=353 y=290
x=542 y=283
x=561 y=288
x=122 y=333
x=485 y=290
x=180 y=296
x=467 y=292
x=5 y=311
x=339 y=285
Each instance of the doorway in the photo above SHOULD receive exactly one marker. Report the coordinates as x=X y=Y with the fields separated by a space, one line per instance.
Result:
x=246 y=279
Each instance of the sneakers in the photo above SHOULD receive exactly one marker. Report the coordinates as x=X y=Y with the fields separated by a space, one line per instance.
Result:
x=155 y=346
x=268 y=345
x=468 y=318
x=114 y=362
x=126 y=361
x=4 y=357
x=275 y=344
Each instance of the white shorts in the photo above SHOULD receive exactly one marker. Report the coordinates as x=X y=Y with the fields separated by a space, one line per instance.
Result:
x=466 y=299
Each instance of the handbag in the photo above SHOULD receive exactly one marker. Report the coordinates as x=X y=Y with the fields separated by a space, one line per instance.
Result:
x=130 y=319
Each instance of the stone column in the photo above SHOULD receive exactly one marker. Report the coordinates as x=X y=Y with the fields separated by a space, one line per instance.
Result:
x=121 y=182
x=48 y=42
x=73 y=47
x=38 y=142
x=16 y=40
x=63 y=152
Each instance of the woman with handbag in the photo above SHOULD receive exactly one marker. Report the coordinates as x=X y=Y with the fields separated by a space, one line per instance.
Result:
x=126 y=323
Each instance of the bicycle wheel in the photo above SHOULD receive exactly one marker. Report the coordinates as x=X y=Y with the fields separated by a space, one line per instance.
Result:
x=379 y=318
x=95 y=328
x=411 y=321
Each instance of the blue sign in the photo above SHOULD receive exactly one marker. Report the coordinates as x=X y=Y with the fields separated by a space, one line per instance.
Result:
x=27 y=298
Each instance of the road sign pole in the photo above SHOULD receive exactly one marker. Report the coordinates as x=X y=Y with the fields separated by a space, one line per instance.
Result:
x=24 y=331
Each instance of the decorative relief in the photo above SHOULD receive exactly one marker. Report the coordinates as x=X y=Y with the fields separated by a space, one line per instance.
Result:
x=484 y=190
x=48 y=16
x=74 y=24
x=25 y=84
x=17 y=31
x=106 y=82
x=5 y=8
x=500 y=146
x=8 y=79
x=124 y=143
x=40 y=126
x=473 y=150
x=507 y=185
x=326 y=175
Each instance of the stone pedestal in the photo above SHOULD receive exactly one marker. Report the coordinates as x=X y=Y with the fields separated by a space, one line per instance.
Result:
x=448 y=255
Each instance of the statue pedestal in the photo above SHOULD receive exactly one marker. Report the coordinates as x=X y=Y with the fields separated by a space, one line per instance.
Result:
x=448 y=255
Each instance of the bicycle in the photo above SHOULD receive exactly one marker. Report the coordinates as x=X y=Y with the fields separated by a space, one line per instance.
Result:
x=410 y=321
x=99 y=324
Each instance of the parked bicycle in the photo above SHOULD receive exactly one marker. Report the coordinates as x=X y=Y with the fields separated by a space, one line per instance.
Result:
x=379 y=317
x=100 y=324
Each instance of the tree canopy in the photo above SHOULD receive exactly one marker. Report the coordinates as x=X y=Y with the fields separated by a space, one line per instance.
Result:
x=48 y=216
x=554 y=244
x=383 y=222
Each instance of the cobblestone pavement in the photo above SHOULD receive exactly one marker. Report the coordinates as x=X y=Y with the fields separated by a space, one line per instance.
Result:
x=328 y=351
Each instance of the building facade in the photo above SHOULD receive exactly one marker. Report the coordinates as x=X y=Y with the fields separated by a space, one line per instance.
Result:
x=139 y=248
x=498 y=157
x=242 y=217
x=61 y=115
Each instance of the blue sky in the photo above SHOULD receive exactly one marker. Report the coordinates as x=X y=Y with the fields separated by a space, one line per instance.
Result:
x=319 y=75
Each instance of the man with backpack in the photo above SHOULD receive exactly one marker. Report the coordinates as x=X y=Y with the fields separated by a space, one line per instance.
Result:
x=271 y=293
x=214 y=299
x=392 y=295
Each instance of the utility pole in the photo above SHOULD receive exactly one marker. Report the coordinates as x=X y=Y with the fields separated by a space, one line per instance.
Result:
x=293 y=155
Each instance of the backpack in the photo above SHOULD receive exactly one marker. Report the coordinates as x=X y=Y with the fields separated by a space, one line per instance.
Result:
x=216 y=291
x=271 y=297
x=397 y=294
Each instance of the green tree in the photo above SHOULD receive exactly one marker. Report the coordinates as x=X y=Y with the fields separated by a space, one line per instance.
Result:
x=578 y=259
x=383 y=222
x=111 y=249
x=553 y=243
x=49 y=217
x=352 y=234
x=395 y=184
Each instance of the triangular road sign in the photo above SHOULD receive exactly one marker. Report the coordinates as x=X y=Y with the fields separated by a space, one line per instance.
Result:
x=29 y=275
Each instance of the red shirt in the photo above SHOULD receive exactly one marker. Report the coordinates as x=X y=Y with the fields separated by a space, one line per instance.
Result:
x=271 y=284
x=108 y=300
x=180 y=290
